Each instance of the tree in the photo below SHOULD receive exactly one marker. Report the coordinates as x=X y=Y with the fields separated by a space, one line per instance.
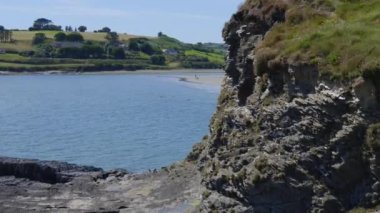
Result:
x=147 y=48
x=70 y=52
x=44 y=24
x=68 y=29
x=39 y=38
x=60 y=36
x=92 y=51
x=105 y=30
x=160 y=34
x=2 y=28
x=158 y=59
x=41 y=23
x=74 y=37
x=118 y=53
x=112 y=37
x=134 y=46
x=6 y=36
x=82 y=29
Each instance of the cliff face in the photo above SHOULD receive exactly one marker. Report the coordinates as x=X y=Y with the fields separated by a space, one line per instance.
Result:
x=286 y=138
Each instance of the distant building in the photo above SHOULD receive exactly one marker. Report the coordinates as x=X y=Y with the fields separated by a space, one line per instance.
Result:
x=3 y=51
x=65 y=44
x=170 y=52
x=121 y=45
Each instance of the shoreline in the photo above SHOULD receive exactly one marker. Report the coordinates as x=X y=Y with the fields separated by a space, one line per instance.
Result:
x=209 y=77
x=107 y=72
x=47 y=186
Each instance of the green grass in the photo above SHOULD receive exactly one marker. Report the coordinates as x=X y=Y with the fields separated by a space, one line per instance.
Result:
x=23 y=39
x=16 y=65
x=344 y=43
x=22 y=45
x=166 y=42
x=28 y=35
x=11 y=57
x=212 y=57
x=363 y=210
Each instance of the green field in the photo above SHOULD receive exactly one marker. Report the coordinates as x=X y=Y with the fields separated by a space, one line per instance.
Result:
x=23 y=39
x=213 y=57
x=18 y=58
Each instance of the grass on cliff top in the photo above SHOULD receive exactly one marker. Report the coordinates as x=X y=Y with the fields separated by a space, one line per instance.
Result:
x=343 y=40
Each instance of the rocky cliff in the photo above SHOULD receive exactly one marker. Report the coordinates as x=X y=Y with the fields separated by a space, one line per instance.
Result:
x=290 y=134
x=297 y=127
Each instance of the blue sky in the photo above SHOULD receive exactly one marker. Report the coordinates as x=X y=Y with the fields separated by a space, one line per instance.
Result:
x=187 y=20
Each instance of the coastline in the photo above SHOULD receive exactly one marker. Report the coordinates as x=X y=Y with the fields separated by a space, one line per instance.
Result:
x=47 y=186
x=209 y=77
x=116 y=72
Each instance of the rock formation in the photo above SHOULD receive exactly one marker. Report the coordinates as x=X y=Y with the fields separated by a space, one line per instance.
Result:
x=46 y=186
x=287 y=136
x=284 y=137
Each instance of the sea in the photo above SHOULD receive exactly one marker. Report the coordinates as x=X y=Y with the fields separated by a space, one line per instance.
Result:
x=137 y=121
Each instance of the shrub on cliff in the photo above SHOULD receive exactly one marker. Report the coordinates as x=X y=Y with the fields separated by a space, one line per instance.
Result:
x=39 y=38
x=158 y=59
x=61 y=36
x=373 y=136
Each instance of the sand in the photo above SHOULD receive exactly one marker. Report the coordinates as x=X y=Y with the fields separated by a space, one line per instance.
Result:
x=212 y=80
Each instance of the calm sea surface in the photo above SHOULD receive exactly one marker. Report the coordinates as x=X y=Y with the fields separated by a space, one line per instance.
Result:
x=135 y=122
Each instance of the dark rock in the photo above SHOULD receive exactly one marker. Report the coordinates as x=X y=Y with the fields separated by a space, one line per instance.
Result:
x=285 y=138
x=42 y=171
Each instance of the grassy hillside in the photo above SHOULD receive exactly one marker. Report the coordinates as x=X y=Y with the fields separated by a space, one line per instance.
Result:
x=22 y=54
x=341 y=37
x=23 y=39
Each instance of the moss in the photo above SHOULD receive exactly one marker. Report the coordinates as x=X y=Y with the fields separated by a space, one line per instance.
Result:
x=261 y=162
x=206 y=194
x=262 y=58
x=196 y=151
x=365 y=210
x=268 y=100
x=373 y=136
x=256 y=177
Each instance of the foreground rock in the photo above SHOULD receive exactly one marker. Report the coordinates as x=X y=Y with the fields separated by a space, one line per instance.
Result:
x=38 y=186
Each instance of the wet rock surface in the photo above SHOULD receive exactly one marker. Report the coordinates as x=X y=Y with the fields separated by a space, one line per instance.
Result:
x=43 y=171
x=175 y=189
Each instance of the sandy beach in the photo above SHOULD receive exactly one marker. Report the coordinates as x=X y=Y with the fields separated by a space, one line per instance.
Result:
x=212 y=80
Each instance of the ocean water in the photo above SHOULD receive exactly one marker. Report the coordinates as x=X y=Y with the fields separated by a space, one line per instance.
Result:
x=135 y=121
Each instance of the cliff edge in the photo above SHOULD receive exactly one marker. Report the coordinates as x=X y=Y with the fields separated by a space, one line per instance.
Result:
x=297 y=127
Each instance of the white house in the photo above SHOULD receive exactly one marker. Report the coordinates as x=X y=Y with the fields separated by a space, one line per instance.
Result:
x=170 y=52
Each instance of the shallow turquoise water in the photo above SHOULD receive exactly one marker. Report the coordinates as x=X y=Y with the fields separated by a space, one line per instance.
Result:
x=135 y=122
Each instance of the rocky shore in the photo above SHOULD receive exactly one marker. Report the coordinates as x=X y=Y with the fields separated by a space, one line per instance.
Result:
x=44 y=186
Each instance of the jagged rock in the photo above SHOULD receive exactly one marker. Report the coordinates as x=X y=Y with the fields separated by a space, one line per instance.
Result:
x=43 y=171
x=42 y=186
x=283 y=138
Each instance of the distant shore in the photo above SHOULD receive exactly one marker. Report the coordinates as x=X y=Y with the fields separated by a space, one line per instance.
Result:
x=118 y=72
x=212 y=80
x=209 y=77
